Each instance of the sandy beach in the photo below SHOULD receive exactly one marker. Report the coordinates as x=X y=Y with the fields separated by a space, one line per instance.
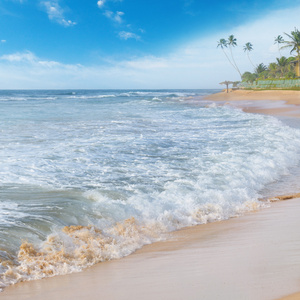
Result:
x=255 y=256
x=291 y=97
x=273 y=102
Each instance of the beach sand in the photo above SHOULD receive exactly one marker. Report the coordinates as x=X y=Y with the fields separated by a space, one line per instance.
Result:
x=291 y=97
x=291 y=297
x=273 y=102
x=256 y=256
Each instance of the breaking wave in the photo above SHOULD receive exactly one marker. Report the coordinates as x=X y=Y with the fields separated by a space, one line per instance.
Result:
x=85 y=182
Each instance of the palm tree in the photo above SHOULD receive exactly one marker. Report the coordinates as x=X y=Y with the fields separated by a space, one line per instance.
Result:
x=282 y=63
x=247 y=48
x=279 y=40
x=273 y=69
x=222 y=43
x=294 y=43
x=249 y=77
x=260 y=68
x=232 y=43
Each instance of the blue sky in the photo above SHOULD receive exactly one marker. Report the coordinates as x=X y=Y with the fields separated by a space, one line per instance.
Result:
x=134 y=43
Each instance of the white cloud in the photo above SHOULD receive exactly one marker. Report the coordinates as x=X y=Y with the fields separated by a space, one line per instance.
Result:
x=24 y=70
x=3 y=41
x=18 y=57
x=101 y=3
x=125 y=35
x=116 y=17
x=28 y=57
x=56 y=13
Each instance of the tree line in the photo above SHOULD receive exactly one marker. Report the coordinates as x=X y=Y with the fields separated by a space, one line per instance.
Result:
x=282 y=68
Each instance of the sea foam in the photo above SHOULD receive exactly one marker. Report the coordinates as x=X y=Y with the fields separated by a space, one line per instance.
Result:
x=96 y=180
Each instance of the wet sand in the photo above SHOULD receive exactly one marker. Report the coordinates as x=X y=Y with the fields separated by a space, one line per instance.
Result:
x=252 y=257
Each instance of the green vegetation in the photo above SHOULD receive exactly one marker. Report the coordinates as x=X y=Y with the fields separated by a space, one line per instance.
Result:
x=282 y=69
x=294 y=43
x=279 y=89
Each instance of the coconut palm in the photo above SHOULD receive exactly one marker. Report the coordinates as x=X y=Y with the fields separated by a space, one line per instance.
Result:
x=282 y=63
x=294 y=43
x=222 y=43
x=260 y=68
x=232 y=43
x=247 y=48
x=273 y=69
x=279 y=40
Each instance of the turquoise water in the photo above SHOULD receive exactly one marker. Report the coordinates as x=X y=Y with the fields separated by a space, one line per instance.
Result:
x=88 y=176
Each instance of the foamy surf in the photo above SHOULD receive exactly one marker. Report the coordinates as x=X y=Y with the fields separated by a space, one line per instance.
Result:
x=97 y=179
x=75 y=248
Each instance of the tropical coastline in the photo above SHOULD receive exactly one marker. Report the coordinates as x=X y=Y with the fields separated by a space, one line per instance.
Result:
x=204 y=255
x=125 y=171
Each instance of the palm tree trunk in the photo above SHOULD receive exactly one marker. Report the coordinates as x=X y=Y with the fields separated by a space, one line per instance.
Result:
x=229 y=60
x=250 y=59
x=236 y=67
x=279 y=50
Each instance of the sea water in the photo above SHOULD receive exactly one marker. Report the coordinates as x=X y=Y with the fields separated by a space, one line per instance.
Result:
x=90 y=176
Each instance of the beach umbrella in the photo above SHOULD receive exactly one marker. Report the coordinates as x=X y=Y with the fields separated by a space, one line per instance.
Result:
x=226 y=83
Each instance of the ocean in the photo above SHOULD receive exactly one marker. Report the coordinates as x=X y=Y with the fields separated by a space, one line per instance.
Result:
x=92 y=175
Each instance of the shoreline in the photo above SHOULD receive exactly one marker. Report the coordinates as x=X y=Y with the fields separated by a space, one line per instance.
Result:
x=279 y=103
x=239 y=258
x=231 y=255
x=271 y=102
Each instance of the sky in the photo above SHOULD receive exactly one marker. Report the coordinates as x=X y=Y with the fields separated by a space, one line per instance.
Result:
x=136 y=44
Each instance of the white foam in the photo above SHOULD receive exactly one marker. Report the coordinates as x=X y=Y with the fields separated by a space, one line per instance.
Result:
x=90 y=96
x=133 y=170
